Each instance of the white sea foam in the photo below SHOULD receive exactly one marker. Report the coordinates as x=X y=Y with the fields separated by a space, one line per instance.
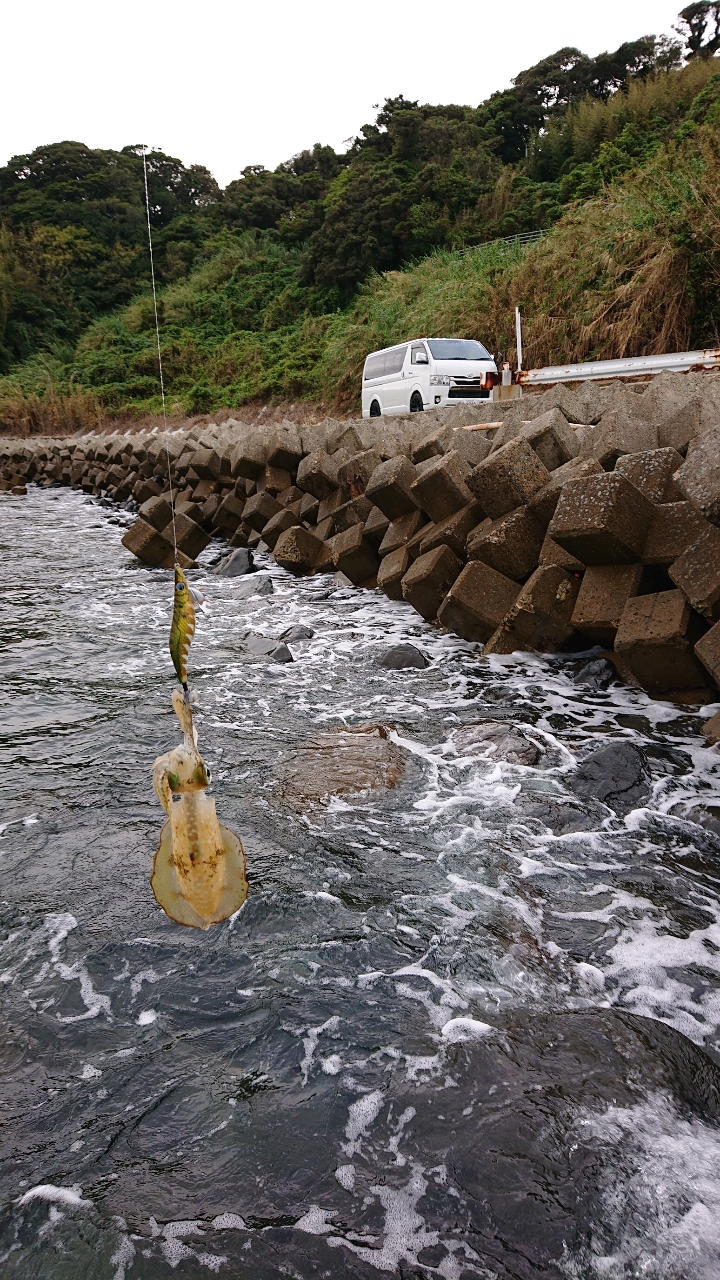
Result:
x=658 y=1213
x=69 y=1196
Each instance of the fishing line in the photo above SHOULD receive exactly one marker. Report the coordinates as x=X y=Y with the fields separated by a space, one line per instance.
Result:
x=157 y=336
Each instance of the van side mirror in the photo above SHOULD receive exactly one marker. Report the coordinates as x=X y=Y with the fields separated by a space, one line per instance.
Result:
x=421 y=357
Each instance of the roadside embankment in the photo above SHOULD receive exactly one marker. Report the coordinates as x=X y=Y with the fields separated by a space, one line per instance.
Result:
x=580 y=516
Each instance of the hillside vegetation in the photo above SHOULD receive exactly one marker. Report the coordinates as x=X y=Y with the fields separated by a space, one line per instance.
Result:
x=277 y=287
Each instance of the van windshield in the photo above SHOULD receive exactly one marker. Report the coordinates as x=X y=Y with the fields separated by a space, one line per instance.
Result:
x=457 y=349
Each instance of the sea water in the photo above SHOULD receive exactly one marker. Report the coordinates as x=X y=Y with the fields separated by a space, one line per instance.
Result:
x=464 y=1027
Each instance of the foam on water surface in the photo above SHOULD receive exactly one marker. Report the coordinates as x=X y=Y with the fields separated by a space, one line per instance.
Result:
x=291 y=1068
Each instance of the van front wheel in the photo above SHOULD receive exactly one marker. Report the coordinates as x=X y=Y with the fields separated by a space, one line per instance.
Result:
x=416 y=402
x=375 y=410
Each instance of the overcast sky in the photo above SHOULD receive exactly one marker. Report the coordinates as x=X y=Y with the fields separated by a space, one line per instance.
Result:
x=225 y=83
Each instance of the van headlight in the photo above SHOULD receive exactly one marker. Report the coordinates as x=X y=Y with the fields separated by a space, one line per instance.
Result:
x=440 y=380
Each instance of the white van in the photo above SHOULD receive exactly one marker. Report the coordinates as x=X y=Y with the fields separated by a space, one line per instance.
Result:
x=426 y=373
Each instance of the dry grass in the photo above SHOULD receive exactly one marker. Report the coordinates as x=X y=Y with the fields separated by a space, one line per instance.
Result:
x=56 y=413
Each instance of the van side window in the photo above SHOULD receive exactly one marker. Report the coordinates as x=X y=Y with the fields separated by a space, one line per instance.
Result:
x=384 y=362
x=415 y=351
x=375 y=366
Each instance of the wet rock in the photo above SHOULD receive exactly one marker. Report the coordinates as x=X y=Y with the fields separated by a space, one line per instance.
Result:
x=402 y=656
x=711 y=730
x=560 y=817
x=495 y=740
x=298 y=632
x=616 y=774
x=255 y=586
x=237 y=564
x=597 y=674
x=281 y=653
x=339 y=762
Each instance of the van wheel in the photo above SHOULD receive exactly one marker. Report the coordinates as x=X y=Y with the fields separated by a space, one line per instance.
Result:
x=375 y=411
x=416 y=402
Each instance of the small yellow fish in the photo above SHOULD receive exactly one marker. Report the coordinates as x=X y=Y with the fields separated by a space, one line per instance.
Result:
x=183 y=626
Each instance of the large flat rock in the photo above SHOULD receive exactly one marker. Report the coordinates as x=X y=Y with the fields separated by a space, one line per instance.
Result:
x=339 y=762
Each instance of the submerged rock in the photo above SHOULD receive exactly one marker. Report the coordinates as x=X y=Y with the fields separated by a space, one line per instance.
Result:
x=237 y=564
x=401 y=656
x=616 y=774
x=494 y=740
x=339 y=762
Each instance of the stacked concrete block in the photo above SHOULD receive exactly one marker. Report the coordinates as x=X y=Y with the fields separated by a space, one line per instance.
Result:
x=603 y=519
x=508 y=478
x=541 y=616
x=603 y=594
x=544 y=522
x=656 y=639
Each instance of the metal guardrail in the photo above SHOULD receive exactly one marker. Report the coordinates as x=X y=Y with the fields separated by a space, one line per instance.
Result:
x=522 y=237
x=676 y=362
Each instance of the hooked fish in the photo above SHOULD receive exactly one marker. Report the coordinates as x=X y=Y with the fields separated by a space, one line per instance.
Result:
x=183 y=626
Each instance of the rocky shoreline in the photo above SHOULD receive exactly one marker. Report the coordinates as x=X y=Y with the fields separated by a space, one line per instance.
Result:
x=575 y=517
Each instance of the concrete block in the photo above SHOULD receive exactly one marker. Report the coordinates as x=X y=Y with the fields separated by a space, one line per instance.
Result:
x=147 y=543
x=342 y=435
x=284 y=450
x=393 y=568
x=328 y=506
x=510 y=545
x=355 y=474
x=203 y=490
x=440 y=488
x=325 y=529
x=248 y=458
x=616 y=434
x=604 y=591
x=259 y=509
x=477 y=602
x=389 y=487
x=429 y=579
x=677 y=429
x=309 y=507
x=156 y=511
x=552 y=438
x=356 y=511
x=209 y=509
x=432 y=443
x=707 y=649
x=275 y=480
x=354 y=556
x=602 y=520
x=674 y=527
x=376 y=526
x=552 y=553
x=652 y=473
x=207 y=464
x=697 y=573
x=656 y=638
x=190 y=538
x=401 y=531
x=297 y=549
x=277 y=524
x=508 y=478
x=540 y=618
x=317 y=475
x=287 y=497
x=543 y=503
x=471 y=443
x=454 y=531
x=699 y=476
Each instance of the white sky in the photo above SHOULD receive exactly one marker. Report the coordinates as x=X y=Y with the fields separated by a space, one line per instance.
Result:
x=226 y=83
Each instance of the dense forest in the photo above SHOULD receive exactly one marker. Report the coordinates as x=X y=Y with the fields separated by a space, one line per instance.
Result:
x=277 y=286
